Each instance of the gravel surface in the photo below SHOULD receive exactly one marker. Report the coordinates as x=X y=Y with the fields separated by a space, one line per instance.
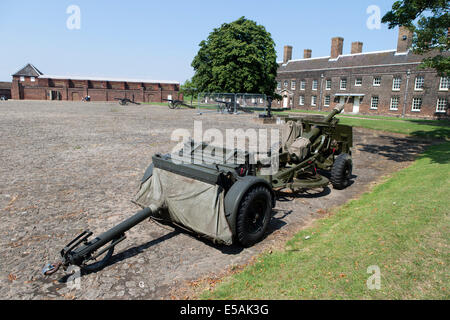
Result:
x=66 y=167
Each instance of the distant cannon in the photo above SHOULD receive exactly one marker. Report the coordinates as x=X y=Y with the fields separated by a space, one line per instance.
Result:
x=125 y=101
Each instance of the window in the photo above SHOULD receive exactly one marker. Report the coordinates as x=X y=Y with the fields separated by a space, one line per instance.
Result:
x=396 y=84
x=33 y=79
x=419 y=83
x=441 y=105
x=394 y=103
x=416 y=104
x=302 y=85
x=444 y=84
x=327 y=101
x=328 y=84
x=313 y=100
x=358 y=82
x=374 y=103
x=261 y=100
x=22 y=79
x=293 y=83
x=286 y=83
x=301 y=100
x=315 y=84
x=344 y=84
x=279 y=85
x=377 y=81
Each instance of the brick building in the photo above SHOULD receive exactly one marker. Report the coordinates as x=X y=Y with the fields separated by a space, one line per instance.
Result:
x=31 y=84
x=376 y=83
x=5 y=89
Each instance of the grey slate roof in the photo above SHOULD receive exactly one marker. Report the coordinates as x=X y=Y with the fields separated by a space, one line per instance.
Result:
x=28 y=71
x=350 y=61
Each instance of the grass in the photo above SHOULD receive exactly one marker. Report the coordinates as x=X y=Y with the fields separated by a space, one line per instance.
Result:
x=402 y=227
x=429 y=129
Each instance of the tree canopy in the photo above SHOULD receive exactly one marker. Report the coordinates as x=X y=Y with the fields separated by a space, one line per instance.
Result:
x=238 y=57
x=430 y=21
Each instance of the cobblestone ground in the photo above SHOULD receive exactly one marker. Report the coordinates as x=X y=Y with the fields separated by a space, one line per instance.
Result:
x=66 y=167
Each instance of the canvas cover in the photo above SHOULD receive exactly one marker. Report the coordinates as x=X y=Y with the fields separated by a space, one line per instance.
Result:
x=292 y=141
x=194 y=204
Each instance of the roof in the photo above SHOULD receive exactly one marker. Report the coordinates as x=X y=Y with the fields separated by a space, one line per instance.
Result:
x=5 y=85
x=46 y=76
x=31 y=71
x=368 y=59
x=28 y=71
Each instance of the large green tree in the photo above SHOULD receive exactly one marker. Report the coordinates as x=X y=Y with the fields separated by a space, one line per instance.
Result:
x=429 y=20
x=237 y=57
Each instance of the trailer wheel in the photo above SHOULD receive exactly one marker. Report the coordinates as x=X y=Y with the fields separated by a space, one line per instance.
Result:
x=341 y=171
x=253 y=215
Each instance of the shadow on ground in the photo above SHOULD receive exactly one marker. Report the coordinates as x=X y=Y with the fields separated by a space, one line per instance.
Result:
x=398 y=150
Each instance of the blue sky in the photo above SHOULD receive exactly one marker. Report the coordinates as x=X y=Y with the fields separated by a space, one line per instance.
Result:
x=158 y=39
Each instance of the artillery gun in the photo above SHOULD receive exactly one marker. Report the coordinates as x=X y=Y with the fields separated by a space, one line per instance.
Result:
x=222 y=194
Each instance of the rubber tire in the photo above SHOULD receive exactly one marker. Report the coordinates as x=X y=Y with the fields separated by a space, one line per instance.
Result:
x=341 y=171
x=247 y=237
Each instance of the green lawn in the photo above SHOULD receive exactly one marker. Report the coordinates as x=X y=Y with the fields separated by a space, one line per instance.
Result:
x=431 y=129
x=402 y=227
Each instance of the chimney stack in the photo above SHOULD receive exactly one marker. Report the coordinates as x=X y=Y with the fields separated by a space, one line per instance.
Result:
x=307 y=53
x=287 y=54
x=404 y=41
x=337 y=44
x=357 y=47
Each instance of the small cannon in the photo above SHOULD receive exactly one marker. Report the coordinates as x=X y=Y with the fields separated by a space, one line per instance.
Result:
x=125 y=101
x=225 y=195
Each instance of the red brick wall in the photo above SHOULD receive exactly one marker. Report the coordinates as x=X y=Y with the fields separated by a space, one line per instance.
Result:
x=74 y=90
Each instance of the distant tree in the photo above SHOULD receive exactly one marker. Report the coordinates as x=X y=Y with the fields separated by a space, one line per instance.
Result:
x=429 y=20
x=237 y=57
x=188 y=89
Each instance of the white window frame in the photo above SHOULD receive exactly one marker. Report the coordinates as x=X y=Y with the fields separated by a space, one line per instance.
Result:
x=313 y=101
x=293 y=84
x=377 y=99
x=358 y=84
x=421 y=83
x=444 y=80
x=414 y=105
x=376 y=81
x=391 y=107
x=33 y=79
x=325 y=103
x=328 y=82
x=286 y=83
x=279 y=85
x=301 y=100
x=22 y=78
x=344 y=80
x=303 y=85
x=396 y=81
x=445 y=103
x=315 y=84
